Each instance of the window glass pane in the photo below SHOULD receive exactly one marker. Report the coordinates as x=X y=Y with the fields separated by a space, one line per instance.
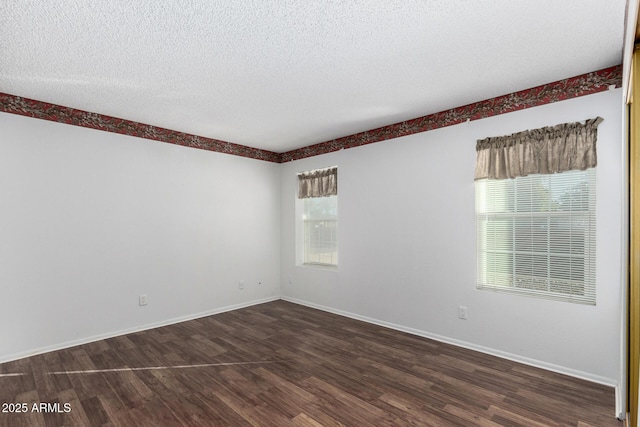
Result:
x=501 y=230
x=321 y=207
x=321 y=230
x=500 y=269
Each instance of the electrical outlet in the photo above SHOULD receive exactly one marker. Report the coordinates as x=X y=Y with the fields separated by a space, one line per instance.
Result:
x=291 y=280
x=142 y=300
x=462 y=312
x=241 y=284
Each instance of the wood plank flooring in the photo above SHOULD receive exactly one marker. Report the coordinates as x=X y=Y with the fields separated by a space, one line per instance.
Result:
x=281 y=364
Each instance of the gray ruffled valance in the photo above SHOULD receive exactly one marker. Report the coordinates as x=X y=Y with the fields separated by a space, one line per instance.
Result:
x=565 y=147
x=318 y=183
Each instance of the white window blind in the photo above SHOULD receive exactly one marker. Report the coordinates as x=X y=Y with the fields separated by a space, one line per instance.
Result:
x=536 y=235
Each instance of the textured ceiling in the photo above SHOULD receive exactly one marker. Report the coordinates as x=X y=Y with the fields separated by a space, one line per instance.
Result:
x=283 y=74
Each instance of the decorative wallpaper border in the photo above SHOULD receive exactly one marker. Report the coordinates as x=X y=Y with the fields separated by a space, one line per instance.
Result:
x=586 y=84
x=71 y=116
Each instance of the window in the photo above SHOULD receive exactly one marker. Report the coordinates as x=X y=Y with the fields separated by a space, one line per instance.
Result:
x=536 y=235
x=320 y=220
x=535 y=212
x=318 y=200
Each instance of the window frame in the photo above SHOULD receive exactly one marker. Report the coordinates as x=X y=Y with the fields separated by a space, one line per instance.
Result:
x=309 y=242
x=314 y=185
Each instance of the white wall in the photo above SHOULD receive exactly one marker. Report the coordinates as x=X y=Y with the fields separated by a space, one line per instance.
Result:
x=407 y=245
x=89 y=220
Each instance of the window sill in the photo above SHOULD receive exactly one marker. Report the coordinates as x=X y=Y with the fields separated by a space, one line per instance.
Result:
x=330 y=267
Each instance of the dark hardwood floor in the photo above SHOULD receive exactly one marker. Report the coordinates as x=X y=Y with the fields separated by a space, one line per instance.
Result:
x=281 y=364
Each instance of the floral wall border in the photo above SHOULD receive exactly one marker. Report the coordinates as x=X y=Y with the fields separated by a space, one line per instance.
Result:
x=585 y=84
x=71 y=116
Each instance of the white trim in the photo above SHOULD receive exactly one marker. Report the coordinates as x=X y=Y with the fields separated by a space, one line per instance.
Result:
x=621 y=411
x=621 y=389
x=113 y=334
x=493 y=352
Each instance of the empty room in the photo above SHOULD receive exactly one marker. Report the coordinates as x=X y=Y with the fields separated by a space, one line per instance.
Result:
x=287 y=213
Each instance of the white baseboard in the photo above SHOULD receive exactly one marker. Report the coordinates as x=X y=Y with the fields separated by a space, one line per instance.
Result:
x=498 y=353
x=621 y=404
x=87 y=340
